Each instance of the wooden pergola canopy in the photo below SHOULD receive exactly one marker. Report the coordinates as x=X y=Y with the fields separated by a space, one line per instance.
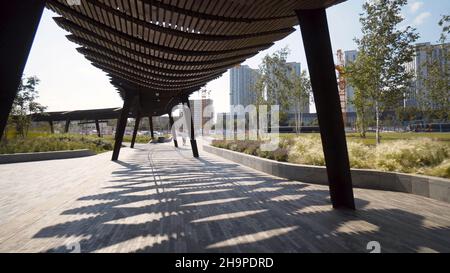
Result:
x=163 y=50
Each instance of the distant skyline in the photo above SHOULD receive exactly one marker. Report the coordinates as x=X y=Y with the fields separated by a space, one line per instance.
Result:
x=70 y=82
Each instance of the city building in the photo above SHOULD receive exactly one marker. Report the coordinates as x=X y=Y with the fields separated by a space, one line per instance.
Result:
x=197 y=107
x=424 y=53
x=298 y=70
x=242 y=81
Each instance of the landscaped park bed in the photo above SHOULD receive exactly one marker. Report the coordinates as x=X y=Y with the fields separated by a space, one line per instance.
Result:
x=37 y=141
x=414 y=155
x=54 y=142
x=427 y=186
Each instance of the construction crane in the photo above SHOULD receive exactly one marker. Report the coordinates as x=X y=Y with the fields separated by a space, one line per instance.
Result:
x=205 y=95
x=342 y=83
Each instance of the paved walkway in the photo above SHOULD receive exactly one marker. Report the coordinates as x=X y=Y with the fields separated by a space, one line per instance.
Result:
x=158 y=199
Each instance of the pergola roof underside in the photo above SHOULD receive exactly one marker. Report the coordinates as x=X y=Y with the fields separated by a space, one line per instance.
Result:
x=175 y=46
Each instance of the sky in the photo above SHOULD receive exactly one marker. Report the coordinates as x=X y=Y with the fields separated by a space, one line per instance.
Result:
x=70 y=82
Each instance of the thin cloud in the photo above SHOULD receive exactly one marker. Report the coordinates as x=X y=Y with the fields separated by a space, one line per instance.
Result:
x=415 y=6
x=420 y=19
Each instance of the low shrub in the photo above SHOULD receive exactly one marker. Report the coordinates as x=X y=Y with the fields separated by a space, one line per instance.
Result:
x=252 y=147
x=441 y=170
x=50 y=142
x=422 y=156
x=281 y=154
x=219 y=143
x=361 y=156
x=306 y=150
x=411 y=155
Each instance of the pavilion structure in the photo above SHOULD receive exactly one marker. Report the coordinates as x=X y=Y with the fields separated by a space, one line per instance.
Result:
x=158 y=52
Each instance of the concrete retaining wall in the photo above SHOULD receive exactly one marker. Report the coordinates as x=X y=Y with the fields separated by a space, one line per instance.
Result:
x=26 y=157
x=432 y=187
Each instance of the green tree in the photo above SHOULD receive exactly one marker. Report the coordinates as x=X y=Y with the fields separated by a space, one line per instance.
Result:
x=25 y=105
x=299 y=95
x=445 y=24
x=273 y=85
x=384 y=49
x=359 y=76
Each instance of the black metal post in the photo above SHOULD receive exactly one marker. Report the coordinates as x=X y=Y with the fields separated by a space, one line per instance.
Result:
x=122 y=124
x=97 y=127
x=174 y=133
x=66 y=128
x=52 y=130
x=224 y=125
x=317 y=44
x=150 y=122
x=192 y=129
x=136 y=128
x=19 y=21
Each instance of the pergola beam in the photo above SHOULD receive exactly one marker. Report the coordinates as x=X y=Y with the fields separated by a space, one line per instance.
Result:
x=125 y=52
x=144 y=84
x=67 y=24
x=163 y=73
x=149 y=74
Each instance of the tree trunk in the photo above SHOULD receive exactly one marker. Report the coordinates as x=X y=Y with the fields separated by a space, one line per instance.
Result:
x=298 y=117
x=363 y=124
x=301 y=122
x=377 y=130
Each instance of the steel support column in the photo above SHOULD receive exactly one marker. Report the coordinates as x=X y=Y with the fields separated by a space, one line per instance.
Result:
x=317 y=44
x=192 y=129
x=122 y=124
x=224 y=126
x=19 y=21
x=66 y=128
x=174 y=133
x=97 y=127
x=150 y=122
x=52 y=129
x=136 y=128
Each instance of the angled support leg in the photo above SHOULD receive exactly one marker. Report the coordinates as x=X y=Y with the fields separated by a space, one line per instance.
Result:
x=317 y=44
x=19 y=21
x=224 y=126
x=150 y=121
x=174 y=133
x=136 y=128
x=52 y=129
x=192 y=129
x=66 y=128
x=122 y=124
x=97 y=127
